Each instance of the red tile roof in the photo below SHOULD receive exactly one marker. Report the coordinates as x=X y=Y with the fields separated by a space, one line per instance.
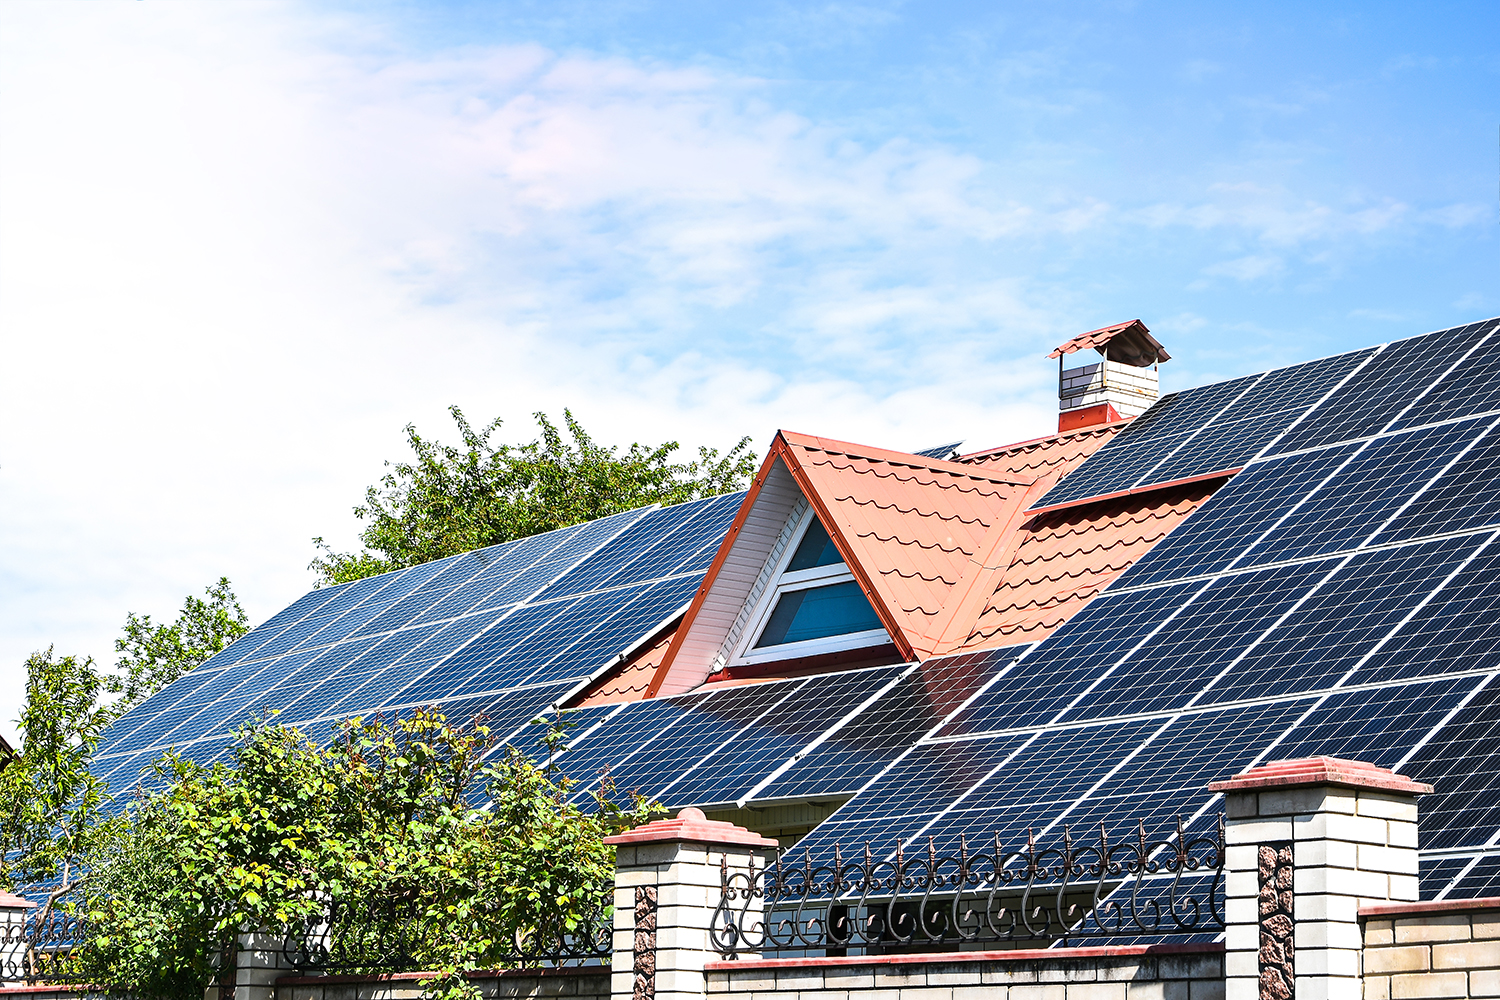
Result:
x=948 y=552
x=1063 y=558
x=1134 y=332
x=628 y=681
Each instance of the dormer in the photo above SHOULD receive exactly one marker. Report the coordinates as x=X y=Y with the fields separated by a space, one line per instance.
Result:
x=844 y=554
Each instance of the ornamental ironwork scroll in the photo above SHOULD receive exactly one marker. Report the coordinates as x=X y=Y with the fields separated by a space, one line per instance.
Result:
x=394 y=936
x=41 y=948
x=1100 y=888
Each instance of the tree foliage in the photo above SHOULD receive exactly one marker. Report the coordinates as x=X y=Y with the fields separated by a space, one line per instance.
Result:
x=49 y=801
x=384 y=816
x=153 y=656
x=452 y=499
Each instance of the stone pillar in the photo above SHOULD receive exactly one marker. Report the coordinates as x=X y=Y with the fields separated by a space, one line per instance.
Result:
x=13 y=938
x=667 y=878
x=1309 y=842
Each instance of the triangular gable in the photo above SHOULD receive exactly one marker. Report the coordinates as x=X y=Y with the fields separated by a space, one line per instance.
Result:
x=917 y=534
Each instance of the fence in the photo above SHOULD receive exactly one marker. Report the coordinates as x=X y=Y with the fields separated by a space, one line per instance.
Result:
x=394 y=936
x=40 y=949
x=1099 y=889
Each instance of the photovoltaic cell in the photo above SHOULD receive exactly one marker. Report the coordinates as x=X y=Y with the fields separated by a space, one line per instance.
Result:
x=1234 y=516
x=1114 y=468
x=1350 y=506
x=918 y=702
x=1328 y=634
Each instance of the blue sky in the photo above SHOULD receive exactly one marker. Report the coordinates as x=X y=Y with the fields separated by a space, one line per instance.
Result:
x=241 y=245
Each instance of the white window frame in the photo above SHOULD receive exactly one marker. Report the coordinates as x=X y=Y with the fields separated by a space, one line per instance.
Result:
x=802 y=579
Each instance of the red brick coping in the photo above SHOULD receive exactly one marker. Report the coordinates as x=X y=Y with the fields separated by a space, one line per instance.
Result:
x=1303 y=772
x=1431 y=906
x=11 y=901
x=691 y=825
x=388 y=977
x=953 y=957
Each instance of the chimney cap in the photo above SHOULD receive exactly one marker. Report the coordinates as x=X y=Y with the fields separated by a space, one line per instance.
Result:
x=1133 y=344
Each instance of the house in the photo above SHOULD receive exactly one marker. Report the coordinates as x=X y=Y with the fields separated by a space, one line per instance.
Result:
x=874 y=647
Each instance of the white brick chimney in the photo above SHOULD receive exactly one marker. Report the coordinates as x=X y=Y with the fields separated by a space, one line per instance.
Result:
x=1122 y=383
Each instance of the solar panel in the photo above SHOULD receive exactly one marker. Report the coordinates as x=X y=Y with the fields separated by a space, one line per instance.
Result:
x=376 y=645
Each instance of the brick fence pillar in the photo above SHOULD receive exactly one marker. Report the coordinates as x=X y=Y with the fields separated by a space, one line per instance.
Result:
x=667 y=877
x=1309 y=842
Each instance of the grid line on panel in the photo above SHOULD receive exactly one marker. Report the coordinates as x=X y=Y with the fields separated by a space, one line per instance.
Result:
x=1292 y=427
x=1357 y=606
x=823 y=737
x=1420 y=400
x=793 y=689
x=1463 y=453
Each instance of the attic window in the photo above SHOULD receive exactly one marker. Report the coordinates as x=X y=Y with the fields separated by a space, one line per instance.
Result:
x=815 y=607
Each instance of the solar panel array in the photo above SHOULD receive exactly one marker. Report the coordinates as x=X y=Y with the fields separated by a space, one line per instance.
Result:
x=504 y=631
x=810 y=738
x=1338 y=596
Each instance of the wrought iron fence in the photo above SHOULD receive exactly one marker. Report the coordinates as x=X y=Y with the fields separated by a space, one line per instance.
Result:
x=1103 y=888
x=393 y=936
x=41 y=948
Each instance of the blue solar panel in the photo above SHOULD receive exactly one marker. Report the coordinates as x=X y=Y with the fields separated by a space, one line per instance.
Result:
x=1235 y=516
x=1462 y=762
x=1359 y=606
x=1076 y=656
x=911 y=708
x=1382 y=389
x=819 y=703
x=1349 y=508
x=1207 y=636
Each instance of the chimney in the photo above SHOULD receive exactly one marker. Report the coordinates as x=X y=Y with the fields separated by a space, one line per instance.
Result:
x=1122 y=383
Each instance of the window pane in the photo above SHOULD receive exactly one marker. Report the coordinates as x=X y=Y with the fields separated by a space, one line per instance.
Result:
x=817 y=613
x=816 y=549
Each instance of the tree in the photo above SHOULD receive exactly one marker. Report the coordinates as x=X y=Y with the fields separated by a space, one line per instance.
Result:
x=49 y=801
x=376 y=830
x=453 y=499
x=153 y=656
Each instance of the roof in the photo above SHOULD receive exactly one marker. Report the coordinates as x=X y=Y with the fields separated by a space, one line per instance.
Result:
x=947 y=553
x=916 y=533
x=1139 y=347
x=1063 y=558
x=629 y=681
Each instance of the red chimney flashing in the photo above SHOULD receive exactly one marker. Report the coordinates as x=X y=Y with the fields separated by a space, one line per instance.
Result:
x=691 y=825
x=1086 y=416
x=1303 y=772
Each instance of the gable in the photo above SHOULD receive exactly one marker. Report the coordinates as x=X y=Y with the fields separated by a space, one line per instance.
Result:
x=914 y=532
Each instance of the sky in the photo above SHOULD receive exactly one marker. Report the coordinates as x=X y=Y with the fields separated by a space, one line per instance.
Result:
x=242 y=245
